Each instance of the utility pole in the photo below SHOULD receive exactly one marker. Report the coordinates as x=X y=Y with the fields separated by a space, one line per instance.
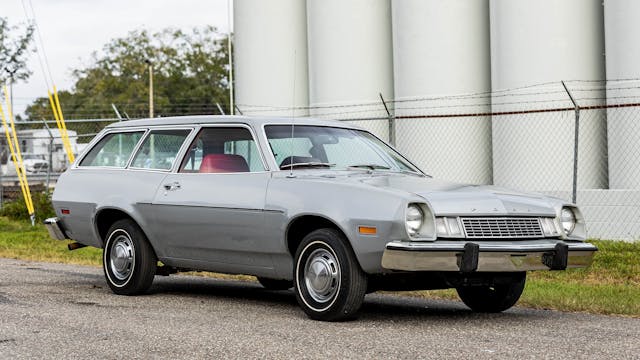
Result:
x=150 y=87
x=231 y=104
x=11 y=80
x=11 y=91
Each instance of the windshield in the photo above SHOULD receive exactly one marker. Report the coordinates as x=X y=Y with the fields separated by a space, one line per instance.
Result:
x=335 y=148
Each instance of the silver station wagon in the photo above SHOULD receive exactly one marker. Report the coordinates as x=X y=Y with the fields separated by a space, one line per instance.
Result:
x=321 y=206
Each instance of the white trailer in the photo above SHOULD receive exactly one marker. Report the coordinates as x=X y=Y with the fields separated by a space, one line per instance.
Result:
x=40 y=142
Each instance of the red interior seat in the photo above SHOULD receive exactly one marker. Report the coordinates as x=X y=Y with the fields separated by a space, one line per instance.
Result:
x=223 y=163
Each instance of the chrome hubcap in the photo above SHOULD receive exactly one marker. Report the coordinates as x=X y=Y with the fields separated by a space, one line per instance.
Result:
x=121 y=257
x=322 y=275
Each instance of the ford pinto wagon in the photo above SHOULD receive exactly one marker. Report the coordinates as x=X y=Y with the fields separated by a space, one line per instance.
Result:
x=322 y=206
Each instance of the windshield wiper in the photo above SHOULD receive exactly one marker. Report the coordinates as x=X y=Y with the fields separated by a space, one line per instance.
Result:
x=415 y=173
x=306 y=164
x=370 y=166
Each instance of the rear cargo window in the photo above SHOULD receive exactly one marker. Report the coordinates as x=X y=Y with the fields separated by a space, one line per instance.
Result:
x=113 y=150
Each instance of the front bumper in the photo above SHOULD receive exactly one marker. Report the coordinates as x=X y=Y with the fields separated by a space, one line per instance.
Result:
x=55 y=230
x=487 y=256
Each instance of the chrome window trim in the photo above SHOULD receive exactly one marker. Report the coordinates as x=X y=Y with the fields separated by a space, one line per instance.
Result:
x=265 y=168
x=92 y=144
x=226 y=173
x=147 y=134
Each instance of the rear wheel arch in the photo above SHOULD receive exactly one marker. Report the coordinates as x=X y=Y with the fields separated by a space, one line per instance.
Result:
x=108 y=216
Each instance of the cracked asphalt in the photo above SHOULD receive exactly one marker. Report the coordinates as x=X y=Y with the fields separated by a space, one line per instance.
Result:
x=67 y=311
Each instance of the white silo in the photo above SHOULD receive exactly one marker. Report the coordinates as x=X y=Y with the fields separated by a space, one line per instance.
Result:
x=350 y=60
x=623 y=62
x=442 y=47
x=270 y=55
x=546 y=41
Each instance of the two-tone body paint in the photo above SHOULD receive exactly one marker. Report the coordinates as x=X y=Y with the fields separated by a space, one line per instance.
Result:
x=238 y=222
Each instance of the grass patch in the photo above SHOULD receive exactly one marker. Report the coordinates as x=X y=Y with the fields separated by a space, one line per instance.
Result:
x=610 y=286
x=20 y=240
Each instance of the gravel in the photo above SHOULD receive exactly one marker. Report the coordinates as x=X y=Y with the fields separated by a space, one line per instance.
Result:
x=68 y=311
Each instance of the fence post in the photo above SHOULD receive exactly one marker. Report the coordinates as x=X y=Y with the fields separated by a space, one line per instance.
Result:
x=391 y=122
x=50 y=167
x=1 y=184
x=576 y=137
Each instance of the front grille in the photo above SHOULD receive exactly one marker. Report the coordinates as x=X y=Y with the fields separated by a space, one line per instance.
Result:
x=500 y=228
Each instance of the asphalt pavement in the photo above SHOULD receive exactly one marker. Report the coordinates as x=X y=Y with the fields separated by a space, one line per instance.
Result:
x=67 y=311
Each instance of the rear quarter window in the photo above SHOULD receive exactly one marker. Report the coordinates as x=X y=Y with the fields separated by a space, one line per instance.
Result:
x=113 y=150
x=160 y=149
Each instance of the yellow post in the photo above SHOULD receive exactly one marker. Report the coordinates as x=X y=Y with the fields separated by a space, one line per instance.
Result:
x=57 y=117
x=55 y=111
x=62 y=126
x=13 y=154
x=19 y=157
x=16 y=158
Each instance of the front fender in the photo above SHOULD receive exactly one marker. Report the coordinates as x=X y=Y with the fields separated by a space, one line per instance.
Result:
x=348 y=206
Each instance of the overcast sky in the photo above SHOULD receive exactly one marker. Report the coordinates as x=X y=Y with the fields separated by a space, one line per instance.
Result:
x=72 y=29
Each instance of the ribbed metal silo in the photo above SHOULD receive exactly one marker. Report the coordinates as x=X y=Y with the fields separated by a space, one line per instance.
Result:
x=350 y=60
x=623 y=62
x=270 y=57
x=440 y=48
x=546 y=41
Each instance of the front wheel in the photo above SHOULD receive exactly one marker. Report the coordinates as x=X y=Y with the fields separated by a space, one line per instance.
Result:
x=129 y=262
x=328 y=281
x=495 y=298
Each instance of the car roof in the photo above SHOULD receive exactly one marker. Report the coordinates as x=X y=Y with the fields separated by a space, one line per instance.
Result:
x=254 y=121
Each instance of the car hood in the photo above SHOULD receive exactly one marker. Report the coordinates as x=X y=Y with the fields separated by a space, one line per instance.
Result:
x=448 y=198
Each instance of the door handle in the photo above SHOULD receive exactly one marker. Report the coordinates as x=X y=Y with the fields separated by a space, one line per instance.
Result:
x=172 y=186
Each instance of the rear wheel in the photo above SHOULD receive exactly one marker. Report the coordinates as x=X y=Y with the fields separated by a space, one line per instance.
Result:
x=328 y=281
x=273 y=284
x=495 y=298
x=129 y=262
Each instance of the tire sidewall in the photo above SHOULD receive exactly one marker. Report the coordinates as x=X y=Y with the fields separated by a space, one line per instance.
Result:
x=144 y=262
x=300 y=284
x=347 y=300
x=111 y=278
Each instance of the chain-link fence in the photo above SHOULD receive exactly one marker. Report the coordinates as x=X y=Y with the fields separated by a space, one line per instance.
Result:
x=43 y=153
x=579 y=141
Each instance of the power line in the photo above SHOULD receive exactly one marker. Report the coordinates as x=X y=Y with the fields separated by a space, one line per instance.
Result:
x=32 y=19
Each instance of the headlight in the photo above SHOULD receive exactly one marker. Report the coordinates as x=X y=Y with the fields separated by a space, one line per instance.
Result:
x=568 y=220
x=414 y=219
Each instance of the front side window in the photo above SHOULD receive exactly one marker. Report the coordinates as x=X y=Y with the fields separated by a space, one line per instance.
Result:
x=113 y=150
x=223 y=150
x=160 y=149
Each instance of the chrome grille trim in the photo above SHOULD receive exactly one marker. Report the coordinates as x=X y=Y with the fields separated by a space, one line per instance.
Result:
x=502 y=227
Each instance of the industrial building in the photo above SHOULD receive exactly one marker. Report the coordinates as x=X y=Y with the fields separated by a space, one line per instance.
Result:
x=301 y=58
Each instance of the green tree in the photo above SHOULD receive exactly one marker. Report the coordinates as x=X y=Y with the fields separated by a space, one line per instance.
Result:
x=189 y=75
x=14 y=52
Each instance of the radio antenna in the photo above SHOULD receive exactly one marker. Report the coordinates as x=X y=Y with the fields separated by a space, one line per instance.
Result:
x=293 y=113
